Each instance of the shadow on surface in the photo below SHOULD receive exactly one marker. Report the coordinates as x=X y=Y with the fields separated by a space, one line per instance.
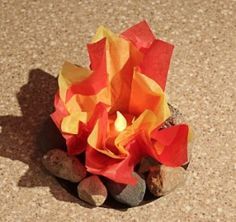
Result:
x=18 y=137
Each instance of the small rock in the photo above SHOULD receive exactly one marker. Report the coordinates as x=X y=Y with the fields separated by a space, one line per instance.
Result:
x=163 y=179
x=145 y=165
x=128 y=194
x=61 y=165
x=92 y=191
x=175 y=118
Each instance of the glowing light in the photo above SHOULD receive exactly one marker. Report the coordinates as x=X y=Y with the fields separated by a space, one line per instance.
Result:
x=120 y=122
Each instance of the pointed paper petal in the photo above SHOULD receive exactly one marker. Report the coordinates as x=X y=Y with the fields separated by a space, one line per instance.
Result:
x=96 y=53
x=119 y=171
x=117 y=50
x=60 y=111
x=98 y=135
x=73 y=105
x=147 y=94
x=117 y=55
x=76 y=144
x=98 y=112
x=101 y=33
x=174 y=140
x=121 y=82
x=156 y=62
x=88 y=103
x=70 y=123
x=97 y=80
x=140 y=35
x=91 y=85
x=70 y=74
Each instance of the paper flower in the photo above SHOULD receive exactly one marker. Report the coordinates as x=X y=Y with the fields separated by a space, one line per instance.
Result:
x=113 y=111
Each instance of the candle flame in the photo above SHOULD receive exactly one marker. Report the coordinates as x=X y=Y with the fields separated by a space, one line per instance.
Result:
x=120 y=122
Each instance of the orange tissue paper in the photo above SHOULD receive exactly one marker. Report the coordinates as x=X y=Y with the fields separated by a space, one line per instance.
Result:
x=113 y=110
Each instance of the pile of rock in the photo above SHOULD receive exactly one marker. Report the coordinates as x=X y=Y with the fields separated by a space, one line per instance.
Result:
x=158 y=179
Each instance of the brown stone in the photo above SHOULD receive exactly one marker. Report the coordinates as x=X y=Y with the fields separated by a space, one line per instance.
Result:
x=92 y=191
x=146 y=164
x=163 y=179
x=64 y=166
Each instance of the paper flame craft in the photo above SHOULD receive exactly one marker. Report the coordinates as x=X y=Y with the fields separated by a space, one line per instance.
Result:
x=113 y=111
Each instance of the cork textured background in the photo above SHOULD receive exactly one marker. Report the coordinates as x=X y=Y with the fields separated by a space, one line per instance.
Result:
x=35 y=39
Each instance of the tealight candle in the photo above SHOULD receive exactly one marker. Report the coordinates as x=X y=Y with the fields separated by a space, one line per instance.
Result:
x=120 y=122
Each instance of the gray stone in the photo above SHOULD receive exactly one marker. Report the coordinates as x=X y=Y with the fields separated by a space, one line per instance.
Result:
x=163 y=179
x=92 y=191
x=128 y=194
x=61 y=165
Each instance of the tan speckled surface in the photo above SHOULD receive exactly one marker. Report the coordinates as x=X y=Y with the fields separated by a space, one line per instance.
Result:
x=42 y=34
